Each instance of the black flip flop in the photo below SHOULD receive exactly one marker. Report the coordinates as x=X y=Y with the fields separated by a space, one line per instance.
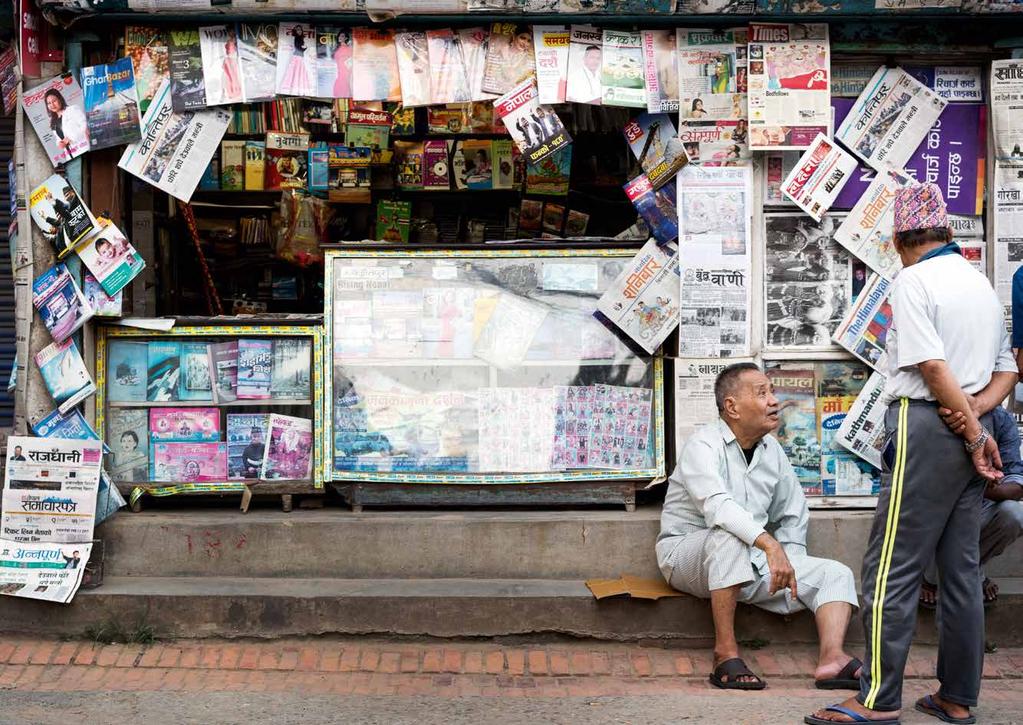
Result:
x=928 y=706
x=734 y=669
x=846 y=679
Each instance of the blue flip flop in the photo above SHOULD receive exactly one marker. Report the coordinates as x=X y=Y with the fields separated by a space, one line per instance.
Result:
x=928 y=706
x=856 y=717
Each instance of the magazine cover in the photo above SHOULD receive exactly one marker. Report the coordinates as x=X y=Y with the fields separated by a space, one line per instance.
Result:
x=164 y=361
x=509 y=58
x=472 y=164
x=147 y=48
x=184 y=425
x=56 y=110
x=550 y=51
x=436 y=171
x=711 y=74
x=187 y=83
x=862 y=432
x=536 y=129
x=102 y=304
x=290 y=378
x=414 y=68
x=368 y=129
x=61 y=304
x=842 y=472
x=72 y=426
x=128 y=438
x=111 y=104
x=797 y=433
x=223 y=364
x=504 y=153
x=864 y=331
x=585 y=51
x=660 y=69
x=550 y=176
x=246 y=444
x=408 y=156
x=255 y=364
x=868 y=230
x=287 y=160
x=393 y=220
x=375 y=66
x=818 y=177
x=196 y=382
x=257 y=51
x=473 y=43
x=448 y=81
x=255 y=165
x=717 y=143
x=296 y=60
x=64 y=373
x=656 y=146
x=333 y=62
x=621 y=69
x=61 y=215
x=126 y=371
x=189 y=462
x=221 y=68
x=657 y=207
x=111 y=259
x=289 y=448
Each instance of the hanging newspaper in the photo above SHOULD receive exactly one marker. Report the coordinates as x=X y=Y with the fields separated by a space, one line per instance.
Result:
x=714 y=255
x=789 y=80
x=1007 y=110
x=642 y=301
x=890 y=118
x=711 y=74
x=716 y=143
x=864 y=331
x=176 y=147
x=695 y=405
x=821 y=173
x=867 y=231
x=863 y=431
x=1008 y=248
x=660 y=66
x=50 y=490
x=50 y=572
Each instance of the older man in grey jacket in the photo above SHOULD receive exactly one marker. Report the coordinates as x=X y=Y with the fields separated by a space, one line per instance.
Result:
x=733 y=529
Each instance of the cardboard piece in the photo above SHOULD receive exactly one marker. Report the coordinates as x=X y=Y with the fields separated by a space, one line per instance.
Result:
x=633 y=586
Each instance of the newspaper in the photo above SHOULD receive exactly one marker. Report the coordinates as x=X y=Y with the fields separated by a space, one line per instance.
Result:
x=716 y=143
x=175 y=148
x=711 y=74
x=975 y=252
x=695 y=406
x=788 y=94
x=867 y=231
x=660 y=66
x=862 y=431
x=890 y=118
x=864 y=331
x=954 y=83
x=820 y=174
x=50 y=572
x=1007 y=110
x=1008 y=224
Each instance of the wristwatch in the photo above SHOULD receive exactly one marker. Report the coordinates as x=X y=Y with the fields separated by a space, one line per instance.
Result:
x=980 y=440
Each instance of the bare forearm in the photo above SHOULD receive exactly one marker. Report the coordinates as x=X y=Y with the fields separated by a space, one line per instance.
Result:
x=945 y=388
x=995 y=391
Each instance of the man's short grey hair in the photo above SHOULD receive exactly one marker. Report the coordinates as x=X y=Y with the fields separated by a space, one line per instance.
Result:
x=728 y=380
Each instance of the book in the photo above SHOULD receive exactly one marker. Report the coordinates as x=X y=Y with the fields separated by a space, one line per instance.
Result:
x=550 y=176
x=292 y=364
x=656 y=146
x=189 y=462
x=403 y=120
x=333 y=62
x=61 y=304
x=246 y=444
x=472 y=164
x=111 y=104
x=448 y=81
x=795 y=390
x=164 y=363
x=393 y=221
x=61 y=215
x=436 y=169
x=255 y=363
x=621 y=69
x=348 y=172
x=232 y=165
x=660 y=70
x=289 y=448
x=111 y=258
x=126 y=368
x=553 y=218
x=585 y=49
x=414 y=68
x=187 y=83
x=530 y=217
x=369 y=129
x=221 y=66
x=147 y=49
x=128 y=437
x=210 y=180
x=409 y=163
x=656 y=206
x=576 y=223
x=223 y=364
x=184 y=425
x=56 y=110
x=255 y=165
x=72 y=426
x=102 y=304
x=550 y=51
x=296 y=60
x=64 y=374
x=536 y=129
x=196 y=382
x=509 y=57
x=504 y=151
x=257 y=51
x=319 y=172
x=473 y=43
x=287 y=160
x=375 y=75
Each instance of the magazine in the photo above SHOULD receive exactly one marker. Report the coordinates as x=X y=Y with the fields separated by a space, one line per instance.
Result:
x=621 y=69
x=654 y=143
x=196 y=382
x=287 y=161
x=61 y=216
x=863 y=430
x=549 y=177
x=221 y=69
x=289 y=448
x=72 y=426
x=414 y=68
x=716 y=143
x=126 y=371
x=61 y=304
x=536 y=129
x=111 y=104
x=408 y=156
x=448 y=81
x=393 y=220
x=867 y=231
x=189 y=462
x=864 y=331
x=128 y=438
x=147 y=48
x=257 y=51
x=818 y=177
x=794 y=389
x=585 y=51
x=255 y=365
x=333 y=62
x=64 y=373
x=112 y=259
x=187 y=82
x=576 y=223
x=184 y=425
x=660 y=70
x=292 y=363
x=510 y=60
x=842 y=473
x=246 y=444
x=223 y=365
x=296 y=60
x=164 y=361
x=550 y=44
x=473 y=43
x=375 y=74
x=711 y=75
x=56 y=110
x=656 y=206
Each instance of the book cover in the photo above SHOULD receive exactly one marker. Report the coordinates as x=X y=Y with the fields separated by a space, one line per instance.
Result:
x=553 y=218
x=414 y=68
x=128 y=438
x=530 y=213
x=296 y=59
x=319 y=170
x=164 y=362
x=56 y=110
x=196 y=381
x=223 y=363
x=127 y=364
x=289 y=448
x=188 y=87
x=257 y=51
x=255 y=363
x=797 y=433
x=333 y=62
x=403 y=120
x=368 y=129
x=255 y=165
x=287 y=160
x=111 y=104
x=348 y=170
x=621 y=69
x=504 y=163
x=246 y=444
x=147 y=49
x=102 y=304
x=393 y=220
x=660 y=68
x=210 y=180
x=375 y=75
x=292 y=365
x=576 y=223
x=61 y=215
x=656 y=146
x=473 y=43
x=189 y=462
x=550 y=176
x=656 y=206
x=61 y=304
x=448 y=81
x=72 y=426
x=509 y=57
x=550 y=50
x=585 y=50
x=64 y=374
x=111 y=258
x=232 y=165
x=221 y=66
x=184 y=425
x=409 y=159
x=536 y=129
x=436 y=169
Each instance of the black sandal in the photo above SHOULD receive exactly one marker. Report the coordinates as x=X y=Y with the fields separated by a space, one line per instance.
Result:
x=733 y=669
x=846 y=679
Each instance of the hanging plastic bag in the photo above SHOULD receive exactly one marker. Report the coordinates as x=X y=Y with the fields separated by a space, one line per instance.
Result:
x=303 y=228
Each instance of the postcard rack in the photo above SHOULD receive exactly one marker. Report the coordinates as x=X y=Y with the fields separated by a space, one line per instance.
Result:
x=184 y=411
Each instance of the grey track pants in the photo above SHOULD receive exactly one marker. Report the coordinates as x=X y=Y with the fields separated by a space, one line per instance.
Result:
x=930 y=503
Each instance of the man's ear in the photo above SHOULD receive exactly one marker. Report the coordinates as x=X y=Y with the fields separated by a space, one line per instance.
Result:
x=731 y=410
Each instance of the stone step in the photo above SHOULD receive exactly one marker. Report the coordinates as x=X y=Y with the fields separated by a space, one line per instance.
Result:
x=273 y=607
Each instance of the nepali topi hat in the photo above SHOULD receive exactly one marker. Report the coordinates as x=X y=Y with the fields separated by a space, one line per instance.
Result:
x=919 y=207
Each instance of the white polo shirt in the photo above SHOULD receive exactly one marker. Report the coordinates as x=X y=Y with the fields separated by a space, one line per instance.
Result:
x=944 y=309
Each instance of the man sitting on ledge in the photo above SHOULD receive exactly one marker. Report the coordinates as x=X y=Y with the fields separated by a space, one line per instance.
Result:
x=733 y=529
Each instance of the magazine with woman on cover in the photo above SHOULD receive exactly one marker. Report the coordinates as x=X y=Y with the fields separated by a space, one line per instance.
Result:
x=221 y=69
x=509 y=57
x=56 y=109
x=289 y=448
x=333 y=62
x=296 y=59
x=257 y=50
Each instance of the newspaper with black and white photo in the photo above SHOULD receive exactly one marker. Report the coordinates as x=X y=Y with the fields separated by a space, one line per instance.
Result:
x=868 y=230
x=1008 y=224
x=1007 y=110
x=694 y=395
x=864 y=331
x=863 y=432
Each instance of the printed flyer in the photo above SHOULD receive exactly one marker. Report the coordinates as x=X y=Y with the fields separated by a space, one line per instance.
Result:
x=602 y=426
x=516 y=429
